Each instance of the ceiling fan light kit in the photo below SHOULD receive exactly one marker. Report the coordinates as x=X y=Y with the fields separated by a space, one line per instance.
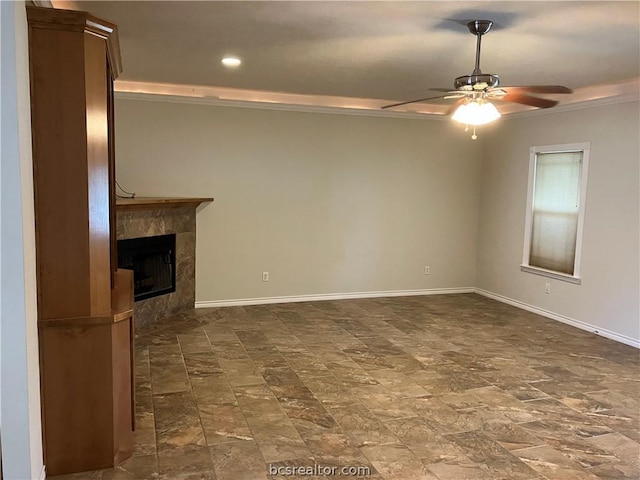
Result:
x=476 y=112
x=477 y=89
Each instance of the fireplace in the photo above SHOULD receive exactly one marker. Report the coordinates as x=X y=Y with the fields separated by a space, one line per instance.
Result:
x=150 y=217
x=153 y=261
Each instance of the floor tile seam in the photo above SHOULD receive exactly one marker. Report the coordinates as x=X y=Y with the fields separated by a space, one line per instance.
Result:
x=456 y=432
x=600 y=434
x=492 y=407
x=148 y=373
x=158 y=443
x=568 y=454
x=532 y=432
x=604 y=390
x=357 y=365
x=563 y=452
x=531 y=447
x=380 y=423
x=500 y=452
x=620 y=460
x=298 y=376
x=153 y=414
x=212 y=343
x=428 y=467
x=192 y=395
x=589 y=415
x=144 y=334
x=255 y=368
x=253 y=434
x=390 y=419
x=242 y=410
x=387 y=444
x=341 y=427
x=195 y=398
x=253 y=439
x=345 y=331
x=268 y=344
x=252 y=430
x=173 y=324
x=326 y=410
x=532 y=385
x=231 y=405
x=341 y=432
x=609 y=452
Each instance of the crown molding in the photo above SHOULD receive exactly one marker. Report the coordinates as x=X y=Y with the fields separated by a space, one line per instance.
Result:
x=79 y=21
x=40 y=3
x=586 y=97
x=266 y=100
x=256 y=105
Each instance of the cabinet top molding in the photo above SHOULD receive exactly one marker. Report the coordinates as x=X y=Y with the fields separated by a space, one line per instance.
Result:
x=77 y=21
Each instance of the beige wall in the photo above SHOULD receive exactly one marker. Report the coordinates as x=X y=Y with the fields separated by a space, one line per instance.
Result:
x=608 y=298
x=326 y=203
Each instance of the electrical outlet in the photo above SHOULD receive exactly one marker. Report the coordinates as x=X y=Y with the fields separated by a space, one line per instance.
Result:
x=427 y=270
x=547 y=288
x=265 y=276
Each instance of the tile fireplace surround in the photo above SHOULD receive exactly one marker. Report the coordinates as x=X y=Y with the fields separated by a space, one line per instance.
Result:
x=148 y=217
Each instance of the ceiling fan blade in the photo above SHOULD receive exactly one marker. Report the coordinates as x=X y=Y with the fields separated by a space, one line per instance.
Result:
x=537 y=89
x=411 y=101
x=455 y=106
x=516 y=97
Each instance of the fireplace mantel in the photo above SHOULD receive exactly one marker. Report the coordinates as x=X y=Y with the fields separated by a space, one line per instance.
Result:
x=152 y=203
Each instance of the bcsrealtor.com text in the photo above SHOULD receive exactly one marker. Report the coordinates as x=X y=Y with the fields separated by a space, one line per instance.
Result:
x=319 y=470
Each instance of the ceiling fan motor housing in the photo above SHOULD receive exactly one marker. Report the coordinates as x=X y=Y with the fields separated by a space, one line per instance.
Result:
x=476 y=82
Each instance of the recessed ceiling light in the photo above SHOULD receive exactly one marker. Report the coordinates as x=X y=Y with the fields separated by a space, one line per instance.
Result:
x=230 y=61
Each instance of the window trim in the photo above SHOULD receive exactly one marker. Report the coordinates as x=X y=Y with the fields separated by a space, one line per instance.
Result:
x=585 y=148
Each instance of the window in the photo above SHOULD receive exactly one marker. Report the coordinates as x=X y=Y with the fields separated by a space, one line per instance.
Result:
x=555 y=210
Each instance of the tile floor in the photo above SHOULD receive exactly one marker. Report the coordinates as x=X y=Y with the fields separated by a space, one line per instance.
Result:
x=448 y=387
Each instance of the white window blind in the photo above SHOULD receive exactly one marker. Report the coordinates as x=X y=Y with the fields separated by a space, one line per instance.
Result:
x=555 y=211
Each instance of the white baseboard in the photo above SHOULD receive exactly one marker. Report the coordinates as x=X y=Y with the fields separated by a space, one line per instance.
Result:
x=561 y=318
x=330 y=296
x=43 y=473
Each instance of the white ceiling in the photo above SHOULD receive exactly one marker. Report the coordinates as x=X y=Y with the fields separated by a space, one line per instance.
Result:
x=391 y=50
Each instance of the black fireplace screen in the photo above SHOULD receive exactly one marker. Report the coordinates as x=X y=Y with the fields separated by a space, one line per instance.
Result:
x=153 y=261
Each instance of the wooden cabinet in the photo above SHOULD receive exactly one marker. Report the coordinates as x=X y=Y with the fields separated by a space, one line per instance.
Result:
x=85 y=305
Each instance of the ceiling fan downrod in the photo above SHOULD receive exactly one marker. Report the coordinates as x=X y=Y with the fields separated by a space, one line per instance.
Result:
x=477 y=80
x=479 y=28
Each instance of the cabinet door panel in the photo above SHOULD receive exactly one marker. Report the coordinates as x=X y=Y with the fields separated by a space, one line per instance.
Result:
x=96 y=75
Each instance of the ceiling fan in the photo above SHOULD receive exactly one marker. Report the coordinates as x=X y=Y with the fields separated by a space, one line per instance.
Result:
x=475 y=91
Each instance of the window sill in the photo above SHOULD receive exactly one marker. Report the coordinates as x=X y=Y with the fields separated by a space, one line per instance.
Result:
x=551 y=274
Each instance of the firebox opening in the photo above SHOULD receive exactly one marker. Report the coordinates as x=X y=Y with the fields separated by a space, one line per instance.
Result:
x=153 y=261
